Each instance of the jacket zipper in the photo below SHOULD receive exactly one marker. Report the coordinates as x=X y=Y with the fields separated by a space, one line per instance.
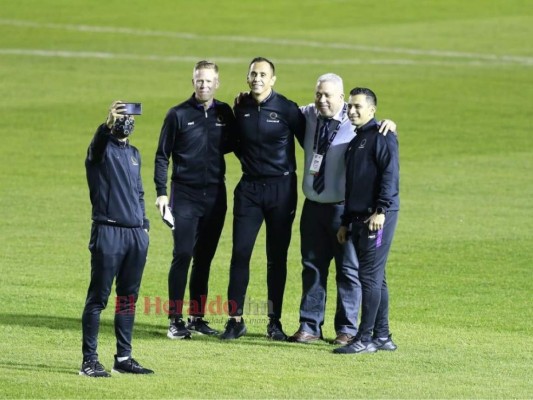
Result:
x=206 y=150
x=126 y=163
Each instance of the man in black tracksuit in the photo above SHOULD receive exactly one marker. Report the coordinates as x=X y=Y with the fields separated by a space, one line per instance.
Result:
x=371 y=206
x=119 y=239
x=195 y=134
x=267 y=124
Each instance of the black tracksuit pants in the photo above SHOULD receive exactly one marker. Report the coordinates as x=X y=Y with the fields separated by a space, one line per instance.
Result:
x=199 y=216
x=115 y=252
x=372 y=249
x=274 y=201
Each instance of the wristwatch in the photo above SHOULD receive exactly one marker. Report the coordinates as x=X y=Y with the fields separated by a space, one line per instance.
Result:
x=380 y=210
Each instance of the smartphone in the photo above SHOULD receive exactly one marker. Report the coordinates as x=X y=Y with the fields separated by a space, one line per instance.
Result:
x=133 y=108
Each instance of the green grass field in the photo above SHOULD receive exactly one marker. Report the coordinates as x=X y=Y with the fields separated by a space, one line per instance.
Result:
x=456 y=76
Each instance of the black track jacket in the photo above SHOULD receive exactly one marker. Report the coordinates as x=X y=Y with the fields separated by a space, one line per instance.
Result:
x=197 y=140
x=266 y=135
x=372 y=172
x=113 y=172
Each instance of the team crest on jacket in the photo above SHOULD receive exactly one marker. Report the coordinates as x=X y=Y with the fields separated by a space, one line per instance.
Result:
x=362 y=145
x=220 y=121
x=273 y=117
x=134 y=161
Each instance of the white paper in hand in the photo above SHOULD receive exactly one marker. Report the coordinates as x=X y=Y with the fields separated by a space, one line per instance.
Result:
x=167 y=217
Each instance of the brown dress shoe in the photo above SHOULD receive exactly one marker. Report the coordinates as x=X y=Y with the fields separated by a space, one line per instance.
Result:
x=343 y=338
x=303 y=337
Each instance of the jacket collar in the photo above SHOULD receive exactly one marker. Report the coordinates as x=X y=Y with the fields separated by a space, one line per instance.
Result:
x=120 y=143
x=199 y=105
x=370 y=125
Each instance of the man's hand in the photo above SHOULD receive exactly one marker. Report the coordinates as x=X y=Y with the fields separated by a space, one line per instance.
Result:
x=386 y=126
x=342 y=234
x=116 y=110
x=240 y=97
x=376 y=221
x=161 y=202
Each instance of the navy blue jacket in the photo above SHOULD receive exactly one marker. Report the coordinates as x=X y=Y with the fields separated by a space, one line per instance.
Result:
x=372 y=172
x=197 y=140
x=266 y=135
x=113 y=172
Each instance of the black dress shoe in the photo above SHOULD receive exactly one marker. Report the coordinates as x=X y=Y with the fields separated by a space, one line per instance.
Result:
x=234 y=329
x=275 y=330
x=303 y=337
x=343 y=339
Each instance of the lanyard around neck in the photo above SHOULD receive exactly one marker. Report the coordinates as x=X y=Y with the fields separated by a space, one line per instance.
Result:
x=332 y=137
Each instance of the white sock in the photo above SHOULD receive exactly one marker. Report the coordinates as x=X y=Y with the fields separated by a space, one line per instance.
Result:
x=120 y=359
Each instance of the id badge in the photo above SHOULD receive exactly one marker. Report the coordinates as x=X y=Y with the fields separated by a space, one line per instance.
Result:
x=315 y=163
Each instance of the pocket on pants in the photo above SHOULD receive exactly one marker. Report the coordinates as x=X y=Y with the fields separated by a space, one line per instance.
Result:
x=93 y=241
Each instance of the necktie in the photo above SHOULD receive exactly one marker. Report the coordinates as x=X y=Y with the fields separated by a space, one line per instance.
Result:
x=323 y=138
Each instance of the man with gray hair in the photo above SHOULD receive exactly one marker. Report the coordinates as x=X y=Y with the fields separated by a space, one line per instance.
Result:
x=327 y=135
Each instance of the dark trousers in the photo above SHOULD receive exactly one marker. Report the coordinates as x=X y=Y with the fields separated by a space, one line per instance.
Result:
x=199 y=216
x=274 y=201
x=372 y=250
x=319 y=246
x=121 y=253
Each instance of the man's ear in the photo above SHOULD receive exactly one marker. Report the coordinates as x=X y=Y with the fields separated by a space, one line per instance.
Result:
x=273 y=80
x=217 y=83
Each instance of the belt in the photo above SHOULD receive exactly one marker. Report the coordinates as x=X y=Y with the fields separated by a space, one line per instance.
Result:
x=338 y=203
x=360 y=218
x=266 y=178
x=109 y=223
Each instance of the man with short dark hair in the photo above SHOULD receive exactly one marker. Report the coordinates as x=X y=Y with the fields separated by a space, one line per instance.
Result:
x=195 y=134
x=119 y=239
x=371 y=208
x=267 y=125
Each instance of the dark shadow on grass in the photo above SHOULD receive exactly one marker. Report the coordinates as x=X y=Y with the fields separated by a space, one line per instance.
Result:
x=142 y=330
x=258 y=339
x=34 y=367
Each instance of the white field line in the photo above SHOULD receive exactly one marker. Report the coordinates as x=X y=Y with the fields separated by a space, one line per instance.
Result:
x=478 y=58
x=236 y=60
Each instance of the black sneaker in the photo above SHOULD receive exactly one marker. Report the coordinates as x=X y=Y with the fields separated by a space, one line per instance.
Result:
x=387 y=344
x=130 y=366
x=200 y=326
x=275 y=331
x=234 y=329
x=177 y=330
x=356 y=347
x=93 y=369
